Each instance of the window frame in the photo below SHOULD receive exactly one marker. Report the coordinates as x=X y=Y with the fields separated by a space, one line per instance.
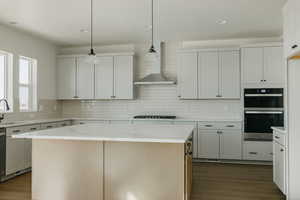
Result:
x=8 y=81
x=32 y=85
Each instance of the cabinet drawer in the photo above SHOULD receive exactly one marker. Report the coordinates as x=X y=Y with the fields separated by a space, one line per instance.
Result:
x=220 y=125
x=15 y=130
x=32 y=128
x=261 y=151
x=77 y=122
x=64 y=123
x=279 y=138
x=48 y=125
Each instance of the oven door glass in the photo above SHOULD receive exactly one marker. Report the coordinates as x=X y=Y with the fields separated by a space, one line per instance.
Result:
x=263 y=102
x=262 y=121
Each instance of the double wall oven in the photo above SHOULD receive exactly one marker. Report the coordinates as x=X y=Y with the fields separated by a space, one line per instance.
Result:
x=263 y=108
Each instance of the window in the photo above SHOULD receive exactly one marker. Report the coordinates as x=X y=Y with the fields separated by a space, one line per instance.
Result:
x=6 y=80
x=27 y=84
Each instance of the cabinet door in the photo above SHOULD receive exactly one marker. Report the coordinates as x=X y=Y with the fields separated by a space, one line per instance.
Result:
x=274 y=65
x=28 y=146
x=123 y=77
x=208 y=144
x=229 y=74
x=252 y=65
x=187 y=73
x=85 y=79
x=208 y=74
x=14 y=151
x=279 y=166
x=66 y=78
x=104 y=78
x=231 y=144
x=289 y=26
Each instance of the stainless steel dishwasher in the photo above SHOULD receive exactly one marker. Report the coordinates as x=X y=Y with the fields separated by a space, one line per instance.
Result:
x=2 y=152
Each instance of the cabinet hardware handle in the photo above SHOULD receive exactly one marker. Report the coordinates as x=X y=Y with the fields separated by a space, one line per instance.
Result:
x=271 y=153
x=16 y=131
x=294 y=46
x=230 y=126
x=208 y=125
x=281 y=150
x=33 y=129
x=113 y=96
x=179 y=96
x=76 y=97
x=219 y=132
x=218 y=95
x=253 y=153
x=49 y=126
x=277 y=137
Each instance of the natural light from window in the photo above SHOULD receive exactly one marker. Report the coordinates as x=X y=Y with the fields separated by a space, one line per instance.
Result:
x=5 y=79
x=27 y=84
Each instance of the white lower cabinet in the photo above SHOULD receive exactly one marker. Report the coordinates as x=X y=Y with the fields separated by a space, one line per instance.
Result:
x=260 y=151
x=208 y=144
x=279 y=166
x=18 y=151
x=231 y=145
x=220 y=144
x=14 y=152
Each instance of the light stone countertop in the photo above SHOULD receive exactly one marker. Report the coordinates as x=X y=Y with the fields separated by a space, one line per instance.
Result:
x=32 y=122
x=115 y=132
x=281 y=130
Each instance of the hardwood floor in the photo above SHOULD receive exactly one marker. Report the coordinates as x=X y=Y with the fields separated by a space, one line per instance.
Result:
x=211 y=181
x=18 y=188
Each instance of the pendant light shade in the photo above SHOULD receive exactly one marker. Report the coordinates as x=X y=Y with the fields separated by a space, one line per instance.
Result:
x=92 y=58
x=152 y=48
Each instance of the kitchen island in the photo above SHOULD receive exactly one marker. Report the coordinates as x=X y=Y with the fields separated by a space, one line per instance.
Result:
x=112 y=162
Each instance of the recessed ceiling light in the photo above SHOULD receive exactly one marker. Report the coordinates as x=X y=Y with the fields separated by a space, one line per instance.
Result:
x=222 y=21
x=13 y=22
x=84 y=31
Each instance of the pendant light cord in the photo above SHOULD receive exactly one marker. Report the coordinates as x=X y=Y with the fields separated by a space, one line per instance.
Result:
x=152 y=10
x=91 y=24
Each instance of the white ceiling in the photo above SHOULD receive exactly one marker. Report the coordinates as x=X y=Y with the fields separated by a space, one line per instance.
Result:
x=126 y=21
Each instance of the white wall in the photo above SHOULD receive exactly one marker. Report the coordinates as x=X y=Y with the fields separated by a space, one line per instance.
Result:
x=20 y=43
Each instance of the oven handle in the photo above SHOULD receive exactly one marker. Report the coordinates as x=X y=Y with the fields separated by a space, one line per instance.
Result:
x=264 y=112
x=263 y=95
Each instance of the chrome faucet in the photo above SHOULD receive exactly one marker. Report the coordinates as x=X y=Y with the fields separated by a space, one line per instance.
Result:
x=7 y=108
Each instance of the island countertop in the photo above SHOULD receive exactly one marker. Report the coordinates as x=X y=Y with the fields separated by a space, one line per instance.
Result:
x=113 y=132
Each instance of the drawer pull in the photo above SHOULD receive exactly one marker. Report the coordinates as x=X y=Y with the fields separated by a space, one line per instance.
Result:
x=230 y=126
x=294 y=46
x=49 y=127
x=16 y=131
x=277 y=137
x=281 y=150
x=32 y=129
x=253 y=153
x=208 y=125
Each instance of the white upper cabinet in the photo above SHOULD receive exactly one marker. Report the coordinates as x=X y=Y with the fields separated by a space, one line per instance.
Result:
x=252 y=65
x=229 y=72
x=188 y=81
x=104 y=78
x=291 y=28
x=66 y=73
x=110 y=78
x=85 y=79
x=123 y=77
x=208 y=74
x=263 y=66
x=274 y=65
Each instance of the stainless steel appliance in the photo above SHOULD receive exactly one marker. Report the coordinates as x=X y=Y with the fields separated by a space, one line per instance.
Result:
x=263 y=108
x=2 y=152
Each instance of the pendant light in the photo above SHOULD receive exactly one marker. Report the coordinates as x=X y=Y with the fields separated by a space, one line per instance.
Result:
x=92 y=55
x=152 y=48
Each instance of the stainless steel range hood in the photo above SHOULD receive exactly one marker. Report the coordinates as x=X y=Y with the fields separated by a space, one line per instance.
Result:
x=155 y=77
